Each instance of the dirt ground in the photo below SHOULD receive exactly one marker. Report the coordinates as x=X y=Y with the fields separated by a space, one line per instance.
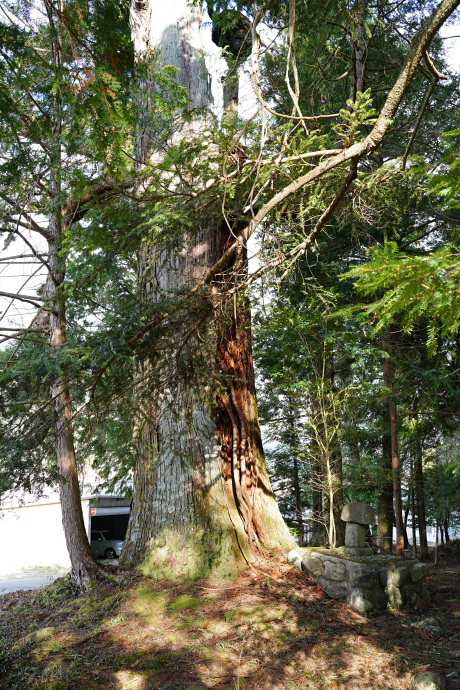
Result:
x=274 y=628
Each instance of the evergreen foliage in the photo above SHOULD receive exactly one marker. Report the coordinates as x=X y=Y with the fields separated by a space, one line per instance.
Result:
x=370 y=225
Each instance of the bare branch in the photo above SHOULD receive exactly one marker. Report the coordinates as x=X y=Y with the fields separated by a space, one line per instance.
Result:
x=9 y=259
x=38 y=256
x=258 y=14
x=436 y=76
x=23 y=330
x=22 y=298
x=16 y=208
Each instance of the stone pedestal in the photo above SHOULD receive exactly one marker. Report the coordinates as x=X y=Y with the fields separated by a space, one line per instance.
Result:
x=370 y=583
x=355 y=534
x=357 y=516
x=354 y=551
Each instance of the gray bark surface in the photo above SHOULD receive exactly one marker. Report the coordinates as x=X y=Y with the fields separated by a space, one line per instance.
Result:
x=202 y=499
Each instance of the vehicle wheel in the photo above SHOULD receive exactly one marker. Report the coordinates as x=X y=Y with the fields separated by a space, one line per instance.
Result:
x=110 y=553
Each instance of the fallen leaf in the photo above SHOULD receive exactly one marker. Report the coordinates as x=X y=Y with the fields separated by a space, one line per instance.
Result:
x=421 y=669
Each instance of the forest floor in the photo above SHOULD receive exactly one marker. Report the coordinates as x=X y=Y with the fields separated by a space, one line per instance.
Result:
x=273 y=628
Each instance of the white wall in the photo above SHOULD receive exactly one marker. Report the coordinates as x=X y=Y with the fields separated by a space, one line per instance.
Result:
x=32 y=535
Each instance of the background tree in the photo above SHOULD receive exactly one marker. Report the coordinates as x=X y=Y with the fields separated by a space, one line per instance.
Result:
x=55 y=108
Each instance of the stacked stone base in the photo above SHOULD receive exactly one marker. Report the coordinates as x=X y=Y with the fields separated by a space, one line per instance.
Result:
x=370 y=584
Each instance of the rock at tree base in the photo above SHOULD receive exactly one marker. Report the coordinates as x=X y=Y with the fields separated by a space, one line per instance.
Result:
x=397 y=577
x=419 y=572
x=359 y=602
x=314 y=565
x=362 y=577
x=429 y=681
x=429 y=624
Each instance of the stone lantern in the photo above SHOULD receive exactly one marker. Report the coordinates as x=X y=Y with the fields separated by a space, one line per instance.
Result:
x=368 y=582
x=358 y=516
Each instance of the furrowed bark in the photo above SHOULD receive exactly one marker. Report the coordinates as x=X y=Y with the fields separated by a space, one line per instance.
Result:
x=202 y=500
x=360 y=46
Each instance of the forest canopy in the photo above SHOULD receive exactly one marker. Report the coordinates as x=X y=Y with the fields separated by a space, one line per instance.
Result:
x=178 y=237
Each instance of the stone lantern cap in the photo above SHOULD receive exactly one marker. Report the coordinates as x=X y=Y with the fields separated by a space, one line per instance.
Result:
x=360 y=513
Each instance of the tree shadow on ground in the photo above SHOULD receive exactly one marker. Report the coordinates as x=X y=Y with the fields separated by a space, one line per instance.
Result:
x=273 y=628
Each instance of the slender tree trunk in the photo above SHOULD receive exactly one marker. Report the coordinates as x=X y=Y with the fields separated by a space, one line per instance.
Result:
x=318 y=535
x=84 y=566
x=336 y=456
x=298 y=502
x=446 y=530
x=323 y=521
x=293 y=445
x=420 y=495
x=412 y=500
x=202 y=500
x=436 y=545
x=360 y=46
x=385 y=498
x=406 y=518
x=389 y=376
x=338 y=496
x=326 y=427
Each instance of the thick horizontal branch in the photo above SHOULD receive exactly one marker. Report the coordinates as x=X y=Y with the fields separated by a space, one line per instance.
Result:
x=22 y=337
x=22 y=330
x=75 y=209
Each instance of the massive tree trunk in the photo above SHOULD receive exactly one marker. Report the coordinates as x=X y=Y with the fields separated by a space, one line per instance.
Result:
x=202 y=501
